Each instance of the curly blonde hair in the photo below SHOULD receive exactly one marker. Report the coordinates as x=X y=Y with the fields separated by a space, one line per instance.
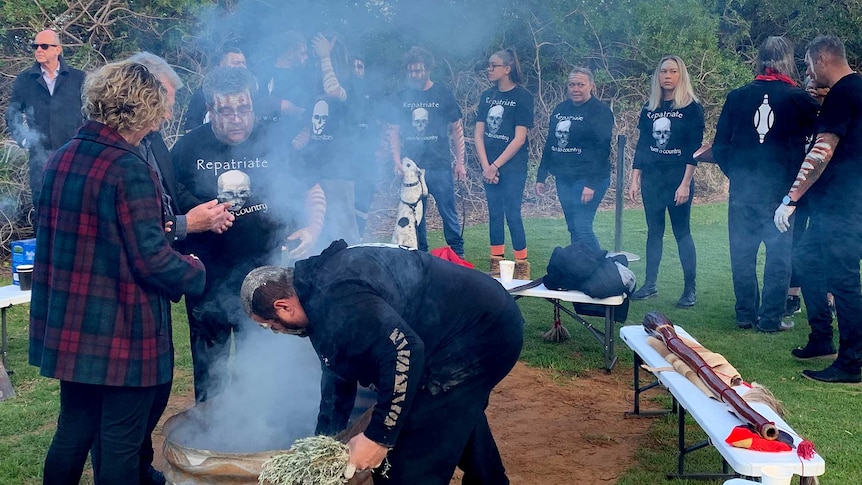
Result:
x=125 y=96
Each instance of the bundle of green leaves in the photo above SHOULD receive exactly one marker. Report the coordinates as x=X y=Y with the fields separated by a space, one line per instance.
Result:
x=316 y=460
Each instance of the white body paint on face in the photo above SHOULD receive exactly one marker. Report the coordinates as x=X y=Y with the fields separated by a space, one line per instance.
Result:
x=232 y=117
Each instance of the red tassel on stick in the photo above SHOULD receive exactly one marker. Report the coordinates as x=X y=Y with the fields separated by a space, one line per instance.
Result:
x=805 y=450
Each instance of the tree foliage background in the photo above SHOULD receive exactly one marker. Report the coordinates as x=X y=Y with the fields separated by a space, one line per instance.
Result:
x=620 y=40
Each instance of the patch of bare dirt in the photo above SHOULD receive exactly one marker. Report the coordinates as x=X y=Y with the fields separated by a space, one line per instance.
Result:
x=548 y=429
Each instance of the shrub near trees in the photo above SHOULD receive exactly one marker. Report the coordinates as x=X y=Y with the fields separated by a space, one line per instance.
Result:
x=620 y=40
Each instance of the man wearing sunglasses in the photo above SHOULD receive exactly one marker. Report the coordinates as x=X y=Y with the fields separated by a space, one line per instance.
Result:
x=45 y=107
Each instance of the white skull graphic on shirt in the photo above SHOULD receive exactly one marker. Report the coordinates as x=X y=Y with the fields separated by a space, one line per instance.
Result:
x=562 y=133
x=234 y=186
x=494 y=119
x=319 y=117
x=420 y=120
x=661 y=132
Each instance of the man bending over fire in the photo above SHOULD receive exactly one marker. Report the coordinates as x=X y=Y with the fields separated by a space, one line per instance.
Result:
x=432 y=338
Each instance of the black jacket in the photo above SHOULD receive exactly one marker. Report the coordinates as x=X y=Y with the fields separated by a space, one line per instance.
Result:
x=52 y=120
x=404 y=322
x=761 y=165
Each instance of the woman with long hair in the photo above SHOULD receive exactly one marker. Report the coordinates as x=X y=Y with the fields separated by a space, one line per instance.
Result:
x=504 y=117
x=671 y=130
x=577 y=152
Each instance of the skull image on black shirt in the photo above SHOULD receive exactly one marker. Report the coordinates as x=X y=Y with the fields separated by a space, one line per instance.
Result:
x=495 y=119
x=420 y=120
x=661 y=132
x=319 y=116
x=562 y=133
x=234 y=186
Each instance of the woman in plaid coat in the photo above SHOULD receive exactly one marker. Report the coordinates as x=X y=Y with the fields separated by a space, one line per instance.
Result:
x=103 y=276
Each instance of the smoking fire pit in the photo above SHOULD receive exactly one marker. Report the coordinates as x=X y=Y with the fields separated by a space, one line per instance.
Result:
x=198 y=452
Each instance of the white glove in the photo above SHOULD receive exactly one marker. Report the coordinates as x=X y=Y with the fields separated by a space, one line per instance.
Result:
x=782 y=217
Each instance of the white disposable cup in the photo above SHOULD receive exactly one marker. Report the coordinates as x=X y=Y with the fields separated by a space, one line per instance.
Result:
x=507 y=270
x=775 y=475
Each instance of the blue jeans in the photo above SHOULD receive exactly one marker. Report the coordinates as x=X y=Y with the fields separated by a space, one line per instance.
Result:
x=442 y=187
x=504 y=206
x=579 y=216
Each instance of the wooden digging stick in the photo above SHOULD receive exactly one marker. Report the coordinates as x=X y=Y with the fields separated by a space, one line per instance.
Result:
x=660 y=327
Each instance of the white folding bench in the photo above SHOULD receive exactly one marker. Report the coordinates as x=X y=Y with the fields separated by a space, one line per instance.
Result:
x=712 y=416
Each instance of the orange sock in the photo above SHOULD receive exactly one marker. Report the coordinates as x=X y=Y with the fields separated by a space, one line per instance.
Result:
x=521 y=254
x=499 y=250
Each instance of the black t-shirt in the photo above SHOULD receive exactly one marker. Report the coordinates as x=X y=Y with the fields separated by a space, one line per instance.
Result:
x=325 y=155
x=424 y=118
x=502 y=111
x=838 y=191
x=578 y=146
x=760 y=139
x=268 y=197
x=295 y=85
x=669 y=136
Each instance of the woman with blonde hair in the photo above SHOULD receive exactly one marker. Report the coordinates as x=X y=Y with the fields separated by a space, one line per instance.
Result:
x=671 y=130
x=104 y=275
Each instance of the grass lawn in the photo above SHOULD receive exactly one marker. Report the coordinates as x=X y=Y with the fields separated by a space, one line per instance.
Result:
x=825 y=414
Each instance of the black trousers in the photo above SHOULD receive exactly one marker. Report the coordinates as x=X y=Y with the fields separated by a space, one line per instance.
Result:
x=748 y=225
x=118 y=415
x=658 y=190
x=449 y=428
x=828 y=258
x=160 y=402
x=210 y=345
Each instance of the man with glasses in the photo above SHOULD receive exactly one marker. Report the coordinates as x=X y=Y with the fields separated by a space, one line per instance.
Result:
x=196 y=113
x=233 y=159
x=45 y=107
x=426 y=126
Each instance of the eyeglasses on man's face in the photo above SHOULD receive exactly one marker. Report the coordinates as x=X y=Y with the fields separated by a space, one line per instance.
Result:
x=242 y=112
x=44 y=47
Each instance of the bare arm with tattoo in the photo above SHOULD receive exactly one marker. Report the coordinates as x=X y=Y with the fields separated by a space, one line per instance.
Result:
x=814 y=164
x=456 y=142
x=394 y=133
x=812 y=168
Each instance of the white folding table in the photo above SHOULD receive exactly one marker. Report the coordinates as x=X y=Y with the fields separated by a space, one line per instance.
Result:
x=713 y=416
x=604 y=337
x=10 y=295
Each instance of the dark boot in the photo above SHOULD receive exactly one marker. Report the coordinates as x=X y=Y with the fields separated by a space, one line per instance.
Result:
x=647 y=290
x=688 y=298
x=815 y=350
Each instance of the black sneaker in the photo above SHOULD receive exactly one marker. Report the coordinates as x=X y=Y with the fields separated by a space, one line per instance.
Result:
x=744 y=325
x=645 y=291
x=833 y=374
x=688 y=298
x=793 y=305
x=815 y=351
